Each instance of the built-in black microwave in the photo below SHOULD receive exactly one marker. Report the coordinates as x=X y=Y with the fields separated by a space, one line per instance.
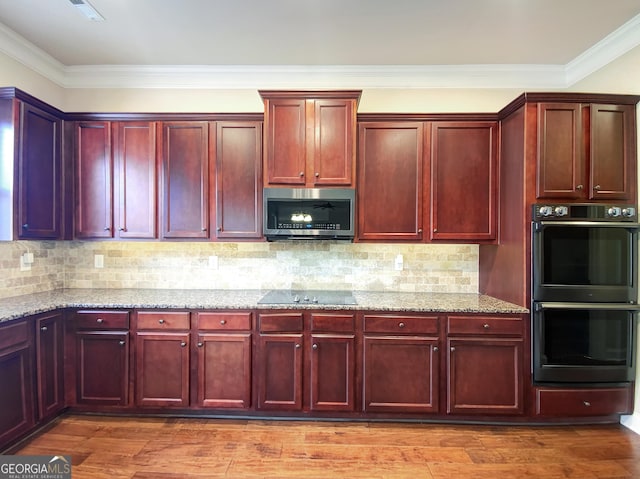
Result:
x=309 y=213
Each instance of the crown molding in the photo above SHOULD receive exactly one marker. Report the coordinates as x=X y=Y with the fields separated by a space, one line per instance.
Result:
x=525 y=77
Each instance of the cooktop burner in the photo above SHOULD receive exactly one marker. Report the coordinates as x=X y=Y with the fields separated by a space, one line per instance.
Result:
x=279 y=296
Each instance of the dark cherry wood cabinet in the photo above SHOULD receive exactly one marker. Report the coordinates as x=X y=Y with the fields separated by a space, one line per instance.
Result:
x=102 y=358
x=224 y=354
x=390 y=180
x=238 y=179
x=586 y=152
x=485 y=361
x=310 y=138
x=17 y=415
x=39 y=181
x=49 y=346
x=185 y=179
x=581 y=402
x=401 y=363
x=163 y=342
x=464 y=169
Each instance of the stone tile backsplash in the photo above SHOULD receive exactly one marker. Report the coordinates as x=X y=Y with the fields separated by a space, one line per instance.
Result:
x=295 y=264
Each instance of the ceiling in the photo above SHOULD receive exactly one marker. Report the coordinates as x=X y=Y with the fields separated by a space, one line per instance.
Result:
x=379 y=42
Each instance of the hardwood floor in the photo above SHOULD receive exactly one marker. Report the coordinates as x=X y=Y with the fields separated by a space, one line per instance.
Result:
x=172 y=448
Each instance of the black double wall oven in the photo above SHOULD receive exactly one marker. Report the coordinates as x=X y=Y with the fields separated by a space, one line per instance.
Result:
x=584 y=293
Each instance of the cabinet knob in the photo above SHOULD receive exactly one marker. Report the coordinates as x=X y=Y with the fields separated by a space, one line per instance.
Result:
x=435 y=349
x=301 y=174
x=586 y=403
x=453 y=348
x=161 y=321
x=435 y=230
x=219 y=228
x=579 y=187
x=25 y=226
x=298 y=346
x=183 y=344
x=43 y=328
x=486 y=326
x=419 y=230
x=107 y=228
x=223 y=322
x=597 y=187
x=99 y=320
x=200 y=345
x=122 y=229
x=122 y=343
x=317 y=175
x=315 y=346
x=203 y=229
x=401 y=325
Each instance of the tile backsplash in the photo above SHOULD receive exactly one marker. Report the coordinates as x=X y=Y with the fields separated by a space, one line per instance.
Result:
x=206 y=265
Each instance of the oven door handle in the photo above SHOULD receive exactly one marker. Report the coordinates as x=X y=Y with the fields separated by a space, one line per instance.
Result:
x=539 y=306
x=603 y=224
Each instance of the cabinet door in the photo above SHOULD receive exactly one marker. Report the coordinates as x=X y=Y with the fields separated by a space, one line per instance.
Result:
x=224 y=370
x=16 y=400
x=135 y=180
x=39 y=174
x=484 y=376
x=334 y=145
x=332 y=372
x=102 y=367
x=463 y=181
x=185 y=180
x=279 y=374
x=613 y=152
x=94 y=180
x=162 y=369
x=401 y=374
x=390 y=192
x=50 y=364
x=238 y=179
x=285 y=141
x=561 y=161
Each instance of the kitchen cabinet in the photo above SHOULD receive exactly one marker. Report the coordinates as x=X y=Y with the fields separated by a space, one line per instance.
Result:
x=224 y=359
x=101 y=358
x=310 y=138
x=390 y=180
x=582 y=402
x=115 y=180
x=315 y=349
x=238 y=179
x=586 y=152
x=485 y=365
x=401 y=362
x=185 y=180
x=16 y=376
x=464 y=166
x=49 y=346
x=162 y=358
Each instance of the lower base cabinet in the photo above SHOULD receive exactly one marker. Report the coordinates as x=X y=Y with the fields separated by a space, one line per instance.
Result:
x=49 y=345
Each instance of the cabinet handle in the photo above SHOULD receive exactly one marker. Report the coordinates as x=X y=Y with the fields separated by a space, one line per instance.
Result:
x=203 y=229
x=200 y=345
x=486 y=326
x=435 y=230
x=401 y=325
x=43 y=328
x=122 y=343
x=453 y=348
x=579 y=187
x=219 y=228
x=107 y=228
x=586 y=403
x=297 y=346
x=301 y=174
x=435 y=349
x=419 y=230
x=317 y=175
x=597 y=187
x=122 y=229
x=223 y=322
x=99 y=320
x=183 y=344
x=161 y=321
x=25 y=226
x=315 y=346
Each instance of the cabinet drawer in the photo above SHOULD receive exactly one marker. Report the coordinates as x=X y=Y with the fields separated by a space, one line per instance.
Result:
x=332 y=322
x=13 y=334
x=285 y=322
x=401 y=324
x=240 y=321
x=583 y=402
x=102 y=320
x=163 y=320
x=511 y=326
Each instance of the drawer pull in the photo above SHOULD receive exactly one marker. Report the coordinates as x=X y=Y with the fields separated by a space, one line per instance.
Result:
x=200 y=344
x=401 y=325
x=485 y=326
x=122 y=343
x=161 y=321
x=586 y=403
x=298 y=346
x=43 y=328
x=99 y=320
x=223 y=322
x=183 y=344
x=315 y=346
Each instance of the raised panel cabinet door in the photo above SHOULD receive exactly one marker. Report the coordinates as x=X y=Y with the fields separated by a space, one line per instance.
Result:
x=102 y=367
x=162 y=369
x=238 y=179
x=94 y=180
x=135 y=180
x=463 y=180
x=561 y=168
x=332 y=372
x=390 y=181
x=39 y=174
x=50 y=364
x=224 y=370
x=484 y=376
x=285 y=142
x=401 y=374
x=613 y=152
x=279 y=372
x=185 y=180
x=334 y=145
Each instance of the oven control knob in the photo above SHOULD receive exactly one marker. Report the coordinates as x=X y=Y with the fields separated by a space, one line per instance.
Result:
x=561 y=211
x=614 y=211
x=545 y=211
x=628 y=212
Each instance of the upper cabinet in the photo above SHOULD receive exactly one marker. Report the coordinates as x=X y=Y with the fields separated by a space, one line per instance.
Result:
x=586 y=152
x=310 y=138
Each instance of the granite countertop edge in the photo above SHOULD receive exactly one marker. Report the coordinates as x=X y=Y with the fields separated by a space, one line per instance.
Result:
x=16 y=307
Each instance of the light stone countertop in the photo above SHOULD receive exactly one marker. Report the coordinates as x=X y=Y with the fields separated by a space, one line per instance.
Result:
x=19 y=306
